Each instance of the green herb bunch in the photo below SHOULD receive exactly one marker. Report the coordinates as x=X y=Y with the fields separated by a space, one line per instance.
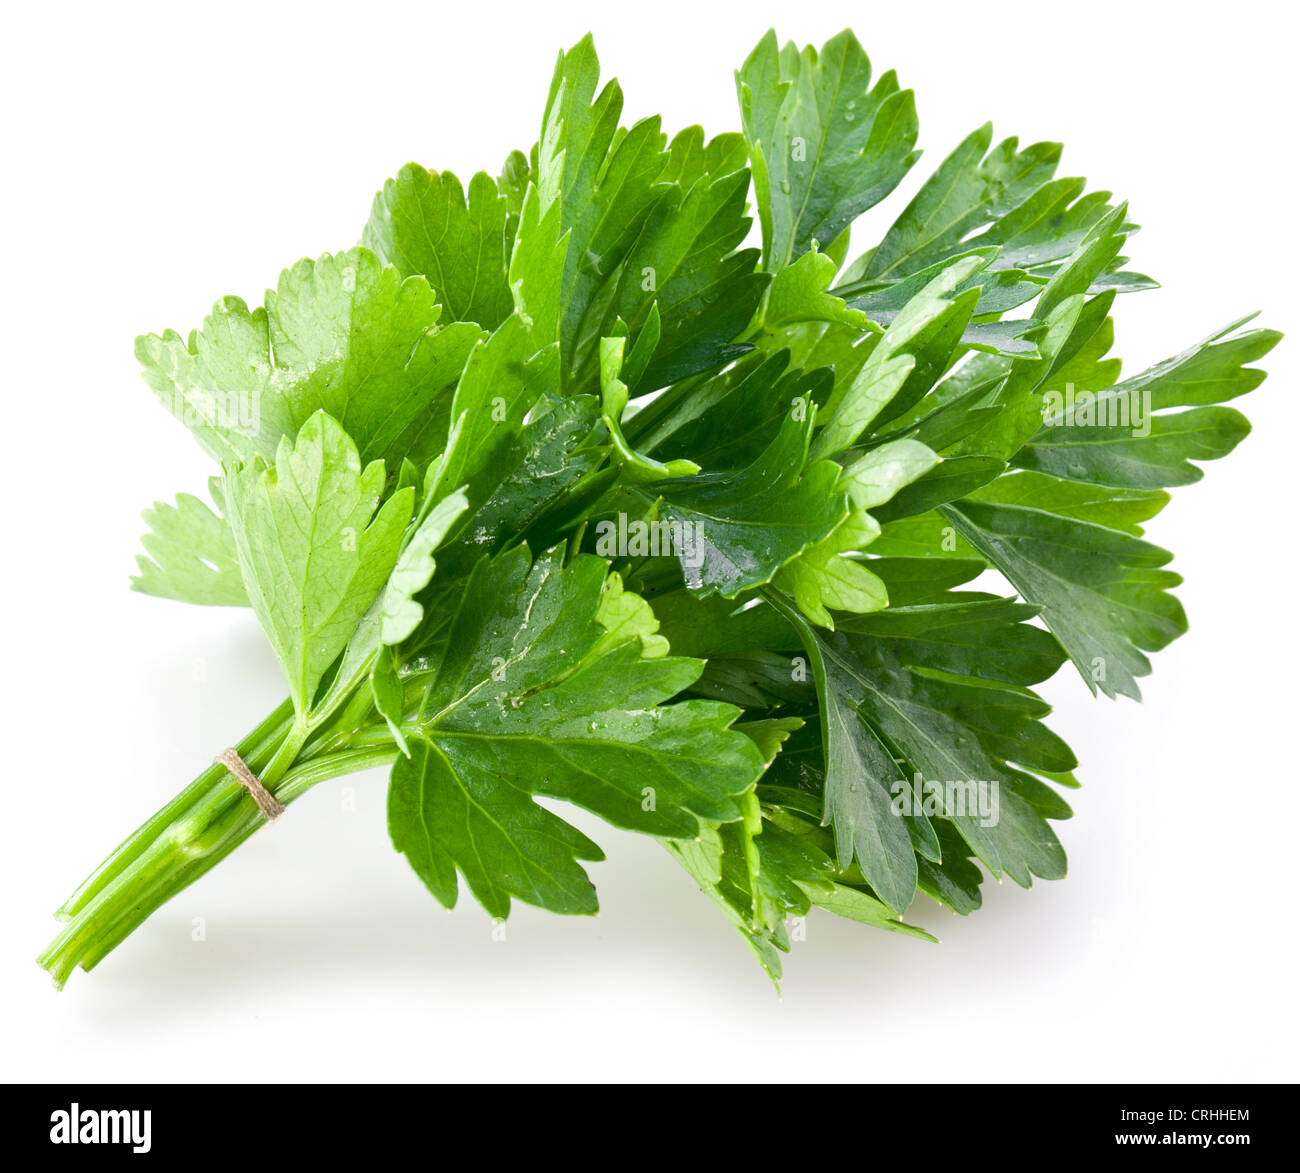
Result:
x=555 y=488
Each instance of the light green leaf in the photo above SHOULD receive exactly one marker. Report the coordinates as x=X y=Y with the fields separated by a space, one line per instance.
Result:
x=1000 y=289
x=950 y=479
x=925 y=536
x=854 y=904
x=769 y=734
x=399 y=612
x=623 y=614
x=875 y=477
x=423 y=223
x=313 y=551
x=390 y=697
x=343 y=334
x=1120 y=509
x=822 y=579
x=799 y=294
x=537 y=268
x=702 y=858
x=613 y=394
x=191 y=556
x=921 y=340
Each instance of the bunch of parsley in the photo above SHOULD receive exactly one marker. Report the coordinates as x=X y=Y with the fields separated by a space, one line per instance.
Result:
x=553 y=488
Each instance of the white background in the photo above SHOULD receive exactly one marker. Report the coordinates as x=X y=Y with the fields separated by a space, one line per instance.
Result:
x=160 y=156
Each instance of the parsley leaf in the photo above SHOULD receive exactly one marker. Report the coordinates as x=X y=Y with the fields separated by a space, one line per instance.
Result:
x=191 y=555
x=425 y=224
x=343 y=334
x=535 y=697
x=826 y=145
x=313 y=549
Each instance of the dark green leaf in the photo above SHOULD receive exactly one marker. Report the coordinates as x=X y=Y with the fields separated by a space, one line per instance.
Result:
x=825 y=145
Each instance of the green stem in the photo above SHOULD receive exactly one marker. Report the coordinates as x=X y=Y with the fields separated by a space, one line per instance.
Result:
x=252 y=749
x=198 y=829
x=226 y=834
x=285 y=754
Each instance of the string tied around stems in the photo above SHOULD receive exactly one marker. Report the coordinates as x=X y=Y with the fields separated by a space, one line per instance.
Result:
x=267 y=803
